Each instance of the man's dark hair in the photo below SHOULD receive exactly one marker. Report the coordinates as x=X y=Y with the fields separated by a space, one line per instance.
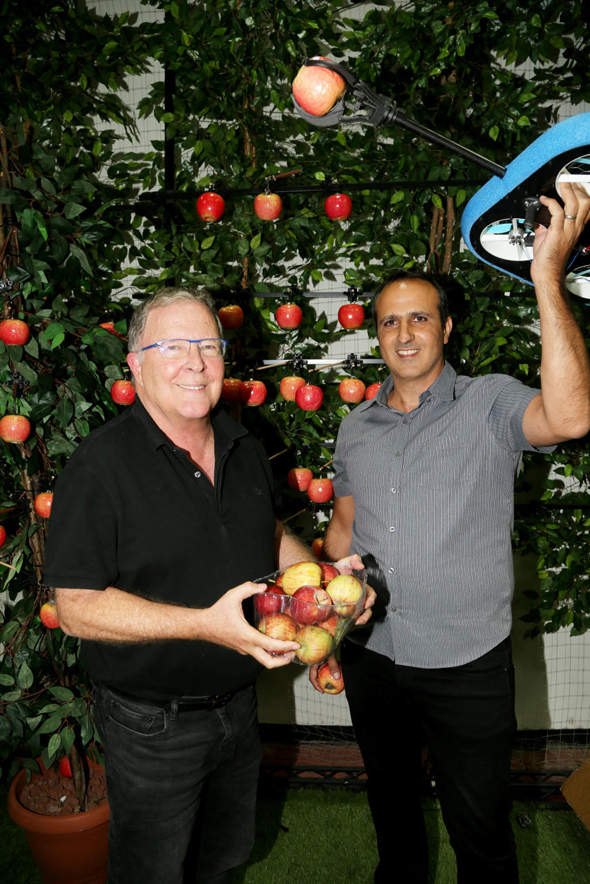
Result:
x=400 y=275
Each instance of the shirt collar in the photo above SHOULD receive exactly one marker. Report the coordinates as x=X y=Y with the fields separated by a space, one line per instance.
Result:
x=224 y=427
x=443 y=388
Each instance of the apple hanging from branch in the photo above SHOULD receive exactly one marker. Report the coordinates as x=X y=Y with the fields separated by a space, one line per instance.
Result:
x=210 y=206
x=231 y=390
x=48 y=615
x=15 y=428
x=14 y=332
x=231 y=316
x=351 y=390
x=338 y=206
x=289 y=316
x=351 y=315
x=372 y=391
x=299 y=478
x=42 y=504
x=268 y=206
x=253 y=392
x=309 y=397
x=320 y=490
x=289 y=385
x=123 y=392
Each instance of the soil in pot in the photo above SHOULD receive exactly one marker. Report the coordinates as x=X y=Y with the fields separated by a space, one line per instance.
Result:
x=54 y=793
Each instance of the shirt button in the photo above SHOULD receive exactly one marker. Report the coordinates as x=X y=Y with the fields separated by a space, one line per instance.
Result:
x=394 y=490
x=392 y=529
x=392 y=570
x=398 y=454
x=197 y=475
x=405 y=420
x=393 y=610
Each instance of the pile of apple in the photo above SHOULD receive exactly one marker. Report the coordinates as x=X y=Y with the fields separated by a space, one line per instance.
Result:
x=311 y=603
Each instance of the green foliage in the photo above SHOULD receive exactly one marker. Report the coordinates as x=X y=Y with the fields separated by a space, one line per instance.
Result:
x=83 y=225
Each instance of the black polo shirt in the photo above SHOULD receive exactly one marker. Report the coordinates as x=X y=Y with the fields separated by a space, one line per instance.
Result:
x=130 y=510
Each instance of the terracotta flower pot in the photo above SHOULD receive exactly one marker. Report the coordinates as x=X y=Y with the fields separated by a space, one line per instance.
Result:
x=68 y=848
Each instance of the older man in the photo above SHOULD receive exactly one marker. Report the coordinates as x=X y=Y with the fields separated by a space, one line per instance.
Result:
x=156 y=516
x=424 y=483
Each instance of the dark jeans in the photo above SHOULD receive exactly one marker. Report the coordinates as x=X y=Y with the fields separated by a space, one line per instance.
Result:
x=175 y=781
x=466 y=716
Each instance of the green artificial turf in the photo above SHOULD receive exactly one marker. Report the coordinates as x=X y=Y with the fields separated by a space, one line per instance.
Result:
x=311 y=836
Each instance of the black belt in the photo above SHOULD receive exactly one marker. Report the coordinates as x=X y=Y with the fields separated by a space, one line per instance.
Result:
x=183 y=704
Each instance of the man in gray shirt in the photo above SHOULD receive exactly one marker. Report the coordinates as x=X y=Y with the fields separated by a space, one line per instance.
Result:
x=424 y=479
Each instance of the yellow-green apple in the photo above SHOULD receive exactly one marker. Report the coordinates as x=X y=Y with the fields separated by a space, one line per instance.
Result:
x=329 y=571
x=299 y=478
x=252 y=392
x=315 y=644
x=351 y=315
x=289 y=315
x=42 y=504
x=338 y=206
x=48 y=615
x=65 y=767
x=320 y=490
x=289 y=386
x=210 y=206
x=123 y=392
x=14 y=332
x=316 y=546
x=231 y=316
x=351 y=389
x=345 y=592
x=317 y=89
x=268 y=206
x=14 y=428
x=2 y=535
x=372 y=391
x=270 y=601
x=231 y=390
x=279 y=626
x=310 y=604
x=309 y=397
x=327 y=682
x=301 y=574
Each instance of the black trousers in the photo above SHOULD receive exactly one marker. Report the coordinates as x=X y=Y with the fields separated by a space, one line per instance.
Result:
x=466 y=715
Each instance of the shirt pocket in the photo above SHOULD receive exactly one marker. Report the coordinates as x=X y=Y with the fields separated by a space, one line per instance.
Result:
x=445 y=463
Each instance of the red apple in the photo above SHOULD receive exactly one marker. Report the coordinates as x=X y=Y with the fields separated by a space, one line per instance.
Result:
x=253 y=392
x=299 y=478
x=309 y=397
x=289 y=386
x=372 y=391
x=14 y=428
x=2 y=535
x=316 y=89
x=210 y=206
x=42 y=504
x=65 y=767
x=268 y=206
x=231 y=390
x=14 y=332
x=351 y=389
x=328 y=572
x=279 y=626
x=316 y=547
x=338 y=206
x=301 y=574
x=315 y=644
x=310 y=604
x=320 y=490
x=123 y=392
x=351 y=315
x=270 y=601
x=110 y=327
x=231 y=316
x=327 y=682
x=332 y=624
x=48 y=615
x=345 y=591
x=288 y=315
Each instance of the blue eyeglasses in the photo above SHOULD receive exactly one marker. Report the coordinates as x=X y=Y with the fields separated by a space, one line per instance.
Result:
x=179 y=348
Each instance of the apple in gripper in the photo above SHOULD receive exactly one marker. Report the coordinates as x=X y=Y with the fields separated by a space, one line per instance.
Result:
x=231 y=390
x=310 y=604
x=279 y=626
x=289 y=315
x=315 y=644
x=42 y=504
x=345 y=592
x=231 y=316
x=301 y=574
x=351 y=389
x=372 y=391
x=320 y=490
x=338 y=206
x=210 y=206
x=15 y=428
x=253 y=392
x=317 y=89
x=351 y=315
x=329 y=571
x=48 y=615
x=268 y=206
x=123 y=392
x=289 y=386
x=327 y=682
x=14 y=332
x=309 y=397
x=270 y=601
x=299 y=478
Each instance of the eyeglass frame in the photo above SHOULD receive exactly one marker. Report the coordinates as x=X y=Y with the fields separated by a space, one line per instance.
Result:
x=188 y=341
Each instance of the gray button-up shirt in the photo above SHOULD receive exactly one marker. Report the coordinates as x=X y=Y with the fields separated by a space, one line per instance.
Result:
x=433 y=491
